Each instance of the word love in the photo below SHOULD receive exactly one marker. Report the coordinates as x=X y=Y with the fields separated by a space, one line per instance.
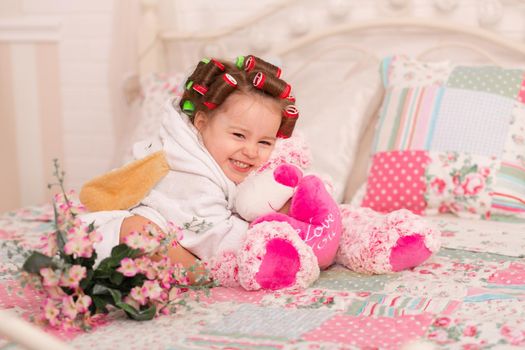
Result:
x=314 y=232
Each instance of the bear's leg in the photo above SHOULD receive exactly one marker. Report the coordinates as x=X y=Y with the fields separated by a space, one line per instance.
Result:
x=274 y=257
x=409 y=251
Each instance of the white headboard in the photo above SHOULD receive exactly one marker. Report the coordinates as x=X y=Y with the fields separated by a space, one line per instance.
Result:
x=172 y=39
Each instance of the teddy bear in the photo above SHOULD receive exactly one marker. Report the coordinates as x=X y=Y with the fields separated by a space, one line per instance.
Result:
x=282 y=250
x=288 y=251
x=285 y=250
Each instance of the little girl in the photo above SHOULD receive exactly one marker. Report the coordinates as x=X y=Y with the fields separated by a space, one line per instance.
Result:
x=231 y=117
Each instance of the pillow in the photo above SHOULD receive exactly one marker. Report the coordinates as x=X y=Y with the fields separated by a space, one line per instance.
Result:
x=155 y=90
x=335 y=108
x=449 y=139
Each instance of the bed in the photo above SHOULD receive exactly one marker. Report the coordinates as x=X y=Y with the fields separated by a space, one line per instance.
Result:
x=470 y=295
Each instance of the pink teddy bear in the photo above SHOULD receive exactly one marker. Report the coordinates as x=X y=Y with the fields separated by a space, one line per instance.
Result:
x=287 y=251
x=282 y=251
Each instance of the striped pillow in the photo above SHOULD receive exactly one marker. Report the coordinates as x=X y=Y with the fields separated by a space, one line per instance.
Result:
x=449 y=139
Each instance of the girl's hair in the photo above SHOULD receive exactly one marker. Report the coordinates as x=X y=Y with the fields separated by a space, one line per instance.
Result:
x=213 y=81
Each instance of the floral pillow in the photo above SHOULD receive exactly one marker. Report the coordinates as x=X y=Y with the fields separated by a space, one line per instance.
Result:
x=449 y=139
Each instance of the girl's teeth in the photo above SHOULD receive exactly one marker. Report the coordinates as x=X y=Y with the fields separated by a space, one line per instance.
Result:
x=240 y=164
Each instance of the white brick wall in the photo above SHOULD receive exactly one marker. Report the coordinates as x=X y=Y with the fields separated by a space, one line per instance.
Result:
x=84 y=60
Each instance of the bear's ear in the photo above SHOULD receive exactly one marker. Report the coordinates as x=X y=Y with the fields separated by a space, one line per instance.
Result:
x=287 y=175
x=124 y=187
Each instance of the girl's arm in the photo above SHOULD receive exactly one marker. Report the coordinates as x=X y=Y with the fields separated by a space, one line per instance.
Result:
x=177 y=254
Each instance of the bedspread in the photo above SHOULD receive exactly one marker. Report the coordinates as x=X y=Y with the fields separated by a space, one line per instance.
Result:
x=470 y=295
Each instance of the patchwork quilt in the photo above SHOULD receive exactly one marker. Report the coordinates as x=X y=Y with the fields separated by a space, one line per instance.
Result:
x=471 y=295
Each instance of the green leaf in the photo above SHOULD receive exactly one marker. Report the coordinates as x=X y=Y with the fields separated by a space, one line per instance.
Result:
x=116 y=295
x=131 y=282
x=99 y=289
x=86 y=262
x=86 y=281
x=102 y=274
x=108 y=265
x=138 y=315
x=101 y=301
x=467 y=170
x=61 y=237
x=37 y=261
x=123 y=251
x=91 y=227
x=116 y=278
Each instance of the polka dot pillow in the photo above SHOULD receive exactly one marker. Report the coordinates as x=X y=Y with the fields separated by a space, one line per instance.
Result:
x=449 y=139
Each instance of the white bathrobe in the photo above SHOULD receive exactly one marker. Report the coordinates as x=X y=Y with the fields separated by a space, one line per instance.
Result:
x=195 y=194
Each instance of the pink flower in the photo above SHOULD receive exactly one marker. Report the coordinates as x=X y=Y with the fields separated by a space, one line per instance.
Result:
x=329 y=300
x=75 y=232
x=138 y=295
x=143 y=264
x=175 y=231
x=174 y=293
x=454 y=207
x=455 y=179
x=135 y=240
x=79 y=246
x=470 y=331
x=50 y=247
x=128 y=267
x=452 y=156
x=439 y=336
x=95 y=236
x=69 y=308
x=50 y=277
x=152 y=290
x=473 y=184
x=433 y=266
x=55 y=292
x=150 y=244
x=438 y=185
x=130 y=301
x=153 y=231
x=51 y=310
x=513 y=335
x=83 y=303
x=442 y=322
x=458 y=190
x=443 y=208
x=470 y=347
x=463 y=267
x=485 y=172
x=72 y=277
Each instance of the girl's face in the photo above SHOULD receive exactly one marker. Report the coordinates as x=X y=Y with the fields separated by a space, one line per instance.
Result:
x=241 y=133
